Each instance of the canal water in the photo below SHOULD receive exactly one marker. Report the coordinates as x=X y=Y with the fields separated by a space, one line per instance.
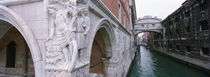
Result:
x=153 y=64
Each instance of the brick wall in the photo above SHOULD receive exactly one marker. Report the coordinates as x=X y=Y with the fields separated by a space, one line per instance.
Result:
x=113 y=7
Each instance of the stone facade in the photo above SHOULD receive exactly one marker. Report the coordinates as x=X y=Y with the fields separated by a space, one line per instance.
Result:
x=187 y=29
x=187 y=32
x=60 y=35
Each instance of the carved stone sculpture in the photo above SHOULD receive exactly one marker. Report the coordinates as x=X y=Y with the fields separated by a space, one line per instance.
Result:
x=85 y=21
x=83 y=27
x=61 y=45
x=68 y=19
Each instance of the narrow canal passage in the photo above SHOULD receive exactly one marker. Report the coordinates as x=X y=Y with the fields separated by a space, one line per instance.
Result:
x=153 y=64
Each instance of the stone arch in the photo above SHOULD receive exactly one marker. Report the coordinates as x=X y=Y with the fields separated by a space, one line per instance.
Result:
x=103 y=23
x=137 y=32
x=107 y=41
x=150 y=31
x=15 y=20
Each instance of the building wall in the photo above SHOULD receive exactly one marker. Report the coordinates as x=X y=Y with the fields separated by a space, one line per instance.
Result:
x=122 y=52
x=187 y=30
x=34 y=25
x=113 y=6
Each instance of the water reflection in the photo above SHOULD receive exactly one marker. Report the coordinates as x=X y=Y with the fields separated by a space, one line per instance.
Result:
x=146 y=63
x=152 y=64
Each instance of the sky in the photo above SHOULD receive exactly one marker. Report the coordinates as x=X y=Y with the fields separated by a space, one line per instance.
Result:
x=159 y=8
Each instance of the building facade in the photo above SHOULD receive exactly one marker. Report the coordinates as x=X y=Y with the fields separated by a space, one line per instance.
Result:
x=66 y=38
x=188 y=31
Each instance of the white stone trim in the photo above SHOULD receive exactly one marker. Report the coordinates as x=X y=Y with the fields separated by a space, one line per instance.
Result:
x=16 y=2
x=103 y=23
x=11 y=17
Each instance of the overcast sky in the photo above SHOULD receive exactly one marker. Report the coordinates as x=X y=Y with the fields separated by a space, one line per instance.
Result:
x=159 y=8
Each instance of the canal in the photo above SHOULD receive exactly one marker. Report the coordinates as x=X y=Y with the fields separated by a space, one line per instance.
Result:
x=153 y=64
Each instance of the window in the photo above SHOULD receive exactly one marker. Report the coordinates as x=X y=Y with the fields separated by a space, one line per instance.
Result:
x=119 y=12
x=153 y=25
x=177 y=19
x=187 y=14
x=203 y=6
x=124 y=19
x=142 y=25
x=177 y=30
x=188 y=29
x=205 y=51
x=177 y=47
x=10 y=55
x=170 y=45
x=204 y=25
x=188 y=49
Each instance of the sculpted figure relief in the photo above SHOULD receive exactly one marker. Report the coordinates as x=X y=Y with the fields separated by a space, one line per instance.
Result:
x=83 y=25
x=68 y=19
x=61 y=45
x=84 y=20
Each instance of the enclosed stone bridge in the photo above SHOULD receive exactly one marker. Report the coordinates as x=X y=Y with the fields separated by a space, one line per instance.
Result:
x=63 y=38
x=148 y=24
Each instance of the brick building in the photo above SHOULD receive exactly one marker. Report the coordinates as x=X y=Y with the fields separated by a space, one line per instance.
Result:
x=123 y=10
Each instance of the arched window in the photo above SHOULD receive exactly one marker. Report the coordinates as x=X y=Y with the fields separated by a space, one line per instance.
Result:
x=11 y=54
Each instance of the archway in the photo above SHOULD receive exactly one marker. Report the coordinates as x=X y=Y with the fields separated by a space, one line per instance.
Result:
x=153 y=32
x=100 y=52
x=102 y=48
x=15 y=56
x=9 y=16
x=151 y=39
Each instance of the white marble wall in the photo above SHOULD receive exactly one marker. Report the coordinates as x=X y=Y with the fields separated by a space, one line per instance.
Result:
x=122 y=53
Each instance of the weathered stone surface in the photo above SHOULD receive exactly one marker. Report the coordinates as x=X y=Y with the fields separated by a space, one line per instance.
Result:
x=69 y=27
x=148 y=23
x=63 y=74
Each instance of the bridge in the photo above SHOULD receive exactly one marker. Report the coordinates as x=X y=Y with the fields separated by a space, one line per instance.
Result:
x=148 y=24
x=143 y=44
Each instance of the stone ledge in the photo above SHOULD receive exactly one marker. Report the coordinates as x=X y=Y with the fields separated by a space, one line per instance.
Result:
x=80 y=66
x=195 y=63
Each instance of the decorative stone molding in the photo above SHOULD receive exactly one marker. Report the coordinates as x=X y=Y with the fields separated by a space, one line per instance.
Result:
x=16 y=2
x=67 y=18
x=104 y=23
x=83 y=23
